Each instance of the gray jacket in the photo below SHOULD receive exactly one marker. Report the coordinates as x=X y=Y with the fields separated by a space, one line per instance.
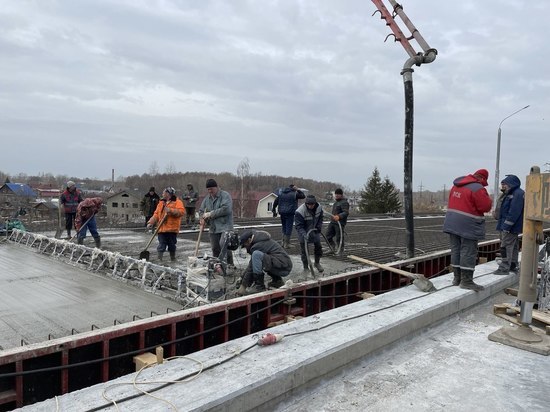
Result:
x=221 y=211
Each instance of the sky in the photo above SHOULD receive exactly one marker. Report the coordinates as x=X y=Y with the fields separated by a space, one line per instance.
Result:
x=302 y=88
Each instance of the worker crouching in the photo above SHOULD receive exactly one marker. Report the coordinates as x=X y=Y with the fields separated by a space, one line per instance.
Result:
x=267 y=256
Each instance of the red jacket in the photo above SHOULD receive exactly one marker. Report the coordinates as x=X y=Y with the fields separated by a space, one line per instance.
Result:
x=468 y=202
x=86 y=209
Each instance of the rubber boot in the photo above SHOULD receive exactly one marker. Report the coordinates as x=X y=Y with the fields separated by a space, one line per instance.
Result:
x=456 y=279
x=317 y=265
x=80 y=240
x=276 y=282
x=258 y=285
x=173 y=256
x=286 y=242
x=160 y=254
x=69 y=234
x=467 y=281
x=242 y=290
x=97 y=241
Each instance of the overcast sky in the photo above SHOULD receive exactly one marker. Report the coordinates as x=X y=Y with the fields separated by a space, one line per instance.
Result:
x=299 y=87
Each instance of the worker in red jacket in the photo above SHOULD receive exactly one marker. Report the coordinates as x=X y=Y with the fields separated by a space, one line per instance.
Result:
x=465 y=223
x=85 y=219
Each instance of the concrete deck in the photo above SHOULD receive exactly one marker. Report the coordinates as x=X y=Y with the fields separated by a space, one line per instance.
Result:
x=41 y=296
x=403 y=350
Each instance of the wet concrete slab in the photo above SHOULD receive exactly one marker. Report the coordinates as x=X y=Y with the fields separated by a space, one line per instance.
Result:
x=42 y=297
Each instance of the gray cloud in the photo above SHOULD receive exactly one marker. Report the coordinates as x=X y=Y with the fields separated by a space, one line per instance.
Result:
x=302 y=88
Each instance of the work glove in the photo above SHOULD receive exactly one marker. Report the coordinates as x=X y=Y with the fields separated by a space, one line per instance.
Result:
x=168 y=211
x=206 y=215
x=336 y=218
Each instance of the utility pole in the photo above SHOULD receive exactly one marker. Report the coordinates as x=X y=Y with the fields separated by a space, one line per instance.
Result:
x=417 y=59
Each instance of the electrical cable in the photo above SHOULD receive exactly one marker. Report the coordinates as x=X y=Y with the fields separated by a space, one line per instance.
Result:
x=169 y=383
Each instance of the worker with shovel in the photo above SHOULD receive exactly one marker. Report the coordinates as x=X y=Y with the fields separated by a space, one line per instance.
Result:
x=216 y=213
x=167 y=216
x=85 y=219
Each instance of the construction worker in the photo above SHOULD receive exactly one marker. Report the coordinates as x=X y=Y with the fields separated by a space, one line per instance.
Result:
x=338 y=220
x=70 y=198
x=465 y=223
x=216 y=212
x=267 y=256
x=149 y=204
x=85 y=219
x=190 y=201
x=287 y=202
x=168 y=215
x=510 y=223
x=309 y=222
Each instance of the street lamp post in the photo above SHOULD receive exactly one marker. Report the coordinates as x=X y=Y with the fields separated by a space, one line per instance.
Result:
x=497 y=171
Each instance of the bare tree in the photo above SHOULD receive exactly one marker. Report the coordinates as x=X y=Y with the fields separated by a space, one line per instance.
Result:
x=154 y=168
x=243 y=172
x=170 y=168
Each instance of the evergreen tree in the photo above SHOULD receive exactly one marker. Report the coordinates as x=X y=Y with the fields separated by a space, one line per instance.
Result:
x=379 y=196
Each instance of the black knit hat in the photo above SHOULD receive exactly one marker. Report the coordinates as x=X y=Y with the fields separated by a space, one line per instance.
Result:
x=310 y=200
x=152 y=189
x=338 y=192
x=211 y=183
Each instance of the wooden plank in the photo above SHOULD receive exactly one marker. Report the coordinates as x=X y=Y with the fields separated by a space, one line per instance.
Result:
x=537 y=315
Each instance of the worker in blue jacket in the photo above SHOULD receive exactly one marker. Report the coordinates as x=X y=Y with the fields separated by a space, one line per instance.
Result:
x=510 y=223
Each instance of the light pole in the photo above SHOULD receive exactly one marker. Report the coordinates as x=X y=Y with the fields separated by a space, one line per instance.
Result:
x=497 y=171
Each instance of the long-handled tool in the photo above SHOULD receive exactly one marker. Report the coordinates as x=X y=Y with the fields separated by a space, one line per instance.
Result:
x=419 y=280
x=145 y=253
x=81 y=227
x=201 y=228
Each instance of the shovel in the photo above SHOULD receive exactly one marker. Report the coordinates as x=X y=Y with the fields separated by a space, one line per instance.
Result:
x=145 y=253
x=199 y=240
x=81 y=227
x=419 y=280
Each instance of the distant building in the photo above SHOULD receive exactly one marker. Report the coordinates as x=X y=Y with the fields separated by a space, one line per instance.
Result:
x=265 y=205
x=123 y=207
x=45 y=211
x=14 y=197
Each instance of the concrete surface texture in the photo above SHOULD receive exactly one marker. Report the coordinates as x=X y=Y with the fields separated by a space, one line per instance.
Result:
x=379 y=354
x=42 y=297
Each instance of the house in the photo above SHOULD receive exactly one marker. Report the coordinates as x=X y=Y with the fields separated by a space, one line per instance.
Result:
x=123 y=207
x=265 y=205
x=48 y=193
x=15 y=197
x=46 y=211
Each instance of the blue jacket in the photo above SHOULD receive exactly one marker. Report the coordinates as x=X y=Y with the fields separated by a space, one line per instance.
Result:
x=287 y=201
x=511 y=212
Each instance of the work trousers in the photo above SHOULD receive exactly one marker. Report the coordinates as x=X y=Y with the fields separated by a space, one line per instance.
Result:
x=92 y=226
x=215 y=244
x=167 y=240
x=510 y=243
x=287 y=221
x=463 y=252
